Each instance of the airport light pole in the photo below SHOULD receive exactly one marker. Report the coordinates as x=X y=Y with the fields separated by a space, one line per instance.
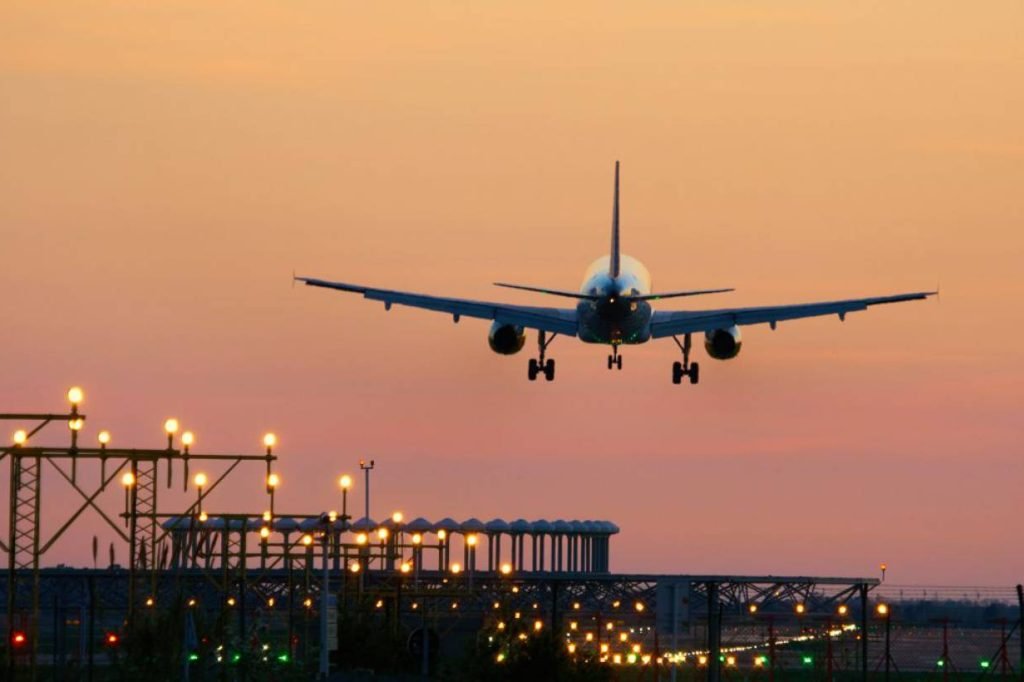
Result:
x=326 y=521
x=367 y=468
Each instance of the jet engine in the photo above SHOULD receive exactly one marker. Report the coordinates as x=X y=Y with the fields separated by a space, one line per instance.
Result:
x=723 y=344
x=506 y=339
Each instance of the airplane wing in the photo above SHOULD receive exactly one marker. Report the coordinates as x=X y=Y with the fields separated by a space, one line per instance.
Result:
x=684 y=322
x=556 y=320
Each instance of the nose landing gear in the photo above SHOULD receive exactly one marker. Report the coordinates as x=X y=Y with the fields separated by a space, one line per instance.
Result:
x=540 y=365
x=684 y=368
x=615 y=360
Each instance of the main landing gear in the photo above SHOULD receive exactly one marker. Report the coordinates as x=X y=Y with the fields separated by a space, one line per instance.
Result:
x=684 y=368
x=539 y=365
x=615 y=360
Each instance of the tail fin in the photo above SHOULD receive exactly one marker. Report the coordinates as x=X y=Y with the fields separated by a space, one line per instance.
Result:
x=613 y=262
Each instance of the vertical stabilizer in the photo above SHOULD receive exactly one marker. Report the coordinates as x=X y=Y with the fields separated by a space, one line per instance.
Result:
x=613 y=262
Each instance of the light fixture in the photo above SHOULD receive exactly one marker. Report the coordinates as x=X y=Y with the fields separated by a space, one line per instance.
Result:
x=75 y=395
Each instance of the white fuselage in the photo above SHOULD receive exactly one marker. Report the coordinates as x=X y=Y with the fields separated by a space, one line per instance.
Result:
x=616 y=317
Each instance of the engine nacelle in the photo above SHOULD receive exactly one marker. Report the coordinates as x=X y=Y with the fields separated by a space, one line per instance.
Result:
x=506 y=339
x=723 y=344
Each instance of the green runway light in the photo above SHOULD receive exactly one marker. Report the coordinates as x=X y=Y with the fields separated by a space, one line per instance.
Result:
x=235 y=658
x=941 y=663
x=808 y=660
x=193 y=657
x=283 y=658
x=984 y=664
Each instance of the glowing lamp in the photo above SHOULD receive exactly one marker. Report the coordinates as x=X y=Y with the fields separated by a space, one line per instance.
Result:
x=128 y=479
x=171 y=426
x=345 y=482
x=20 y=437
x=76 y=424
x=103 y=437
x=75 y=395
x=200 y=480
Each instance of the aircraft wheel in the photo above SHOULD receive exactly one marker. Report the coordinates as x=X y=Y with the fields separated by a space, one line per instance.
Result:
x=618 y=362
x=532 y=369
x=610 y=361
x=677 y=372
x=694 y=373
x=549 y=370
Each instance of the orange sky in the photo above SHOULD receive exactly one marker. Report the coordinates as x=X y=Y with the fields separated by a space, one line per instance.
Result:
x=165 y=166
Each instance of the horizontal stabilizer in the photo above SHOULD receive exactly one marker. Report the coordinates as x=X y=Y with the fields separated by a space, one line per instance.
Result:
x=553 y=292
x=678 y=294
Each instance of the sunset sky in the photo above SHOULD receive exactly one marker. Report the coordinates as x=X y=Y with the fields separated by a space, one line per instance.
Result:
x=164 y=167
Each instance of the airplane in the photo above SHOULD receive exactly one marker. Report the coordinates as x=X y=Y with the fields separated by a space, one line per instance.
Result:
x=614 y=308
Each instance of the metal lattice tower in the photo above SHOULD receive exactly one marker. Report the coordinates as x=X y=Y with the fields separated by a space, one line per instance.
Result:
x=146 y=482
x=24 y=519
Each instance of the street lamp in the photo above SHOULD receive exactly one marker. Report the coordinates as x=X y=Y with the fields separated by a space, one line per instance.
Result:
x=200 y=480
x=170 y=428
x=128 y=481
x=104 y=439
x=269 y=441
x=75 y=396
x=273 y=480
x=187 y=439
x=883 y=611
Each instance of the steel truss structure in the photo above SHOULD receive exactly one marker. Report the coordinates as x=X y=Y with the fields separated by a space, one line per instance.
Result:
x=255 y=563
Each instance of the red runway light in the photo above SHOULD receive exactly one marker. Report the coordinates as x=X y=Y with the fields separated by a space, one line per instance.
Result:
x=18 y=639
x=112 y=639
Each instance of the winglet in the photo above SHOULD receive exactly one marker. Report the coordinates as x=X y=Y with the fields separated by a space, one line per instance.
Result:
x=613 y=261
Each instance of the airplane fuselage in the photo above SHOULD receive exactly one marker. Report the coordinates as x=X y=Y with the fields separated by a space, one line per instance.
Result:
x=615 y=318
